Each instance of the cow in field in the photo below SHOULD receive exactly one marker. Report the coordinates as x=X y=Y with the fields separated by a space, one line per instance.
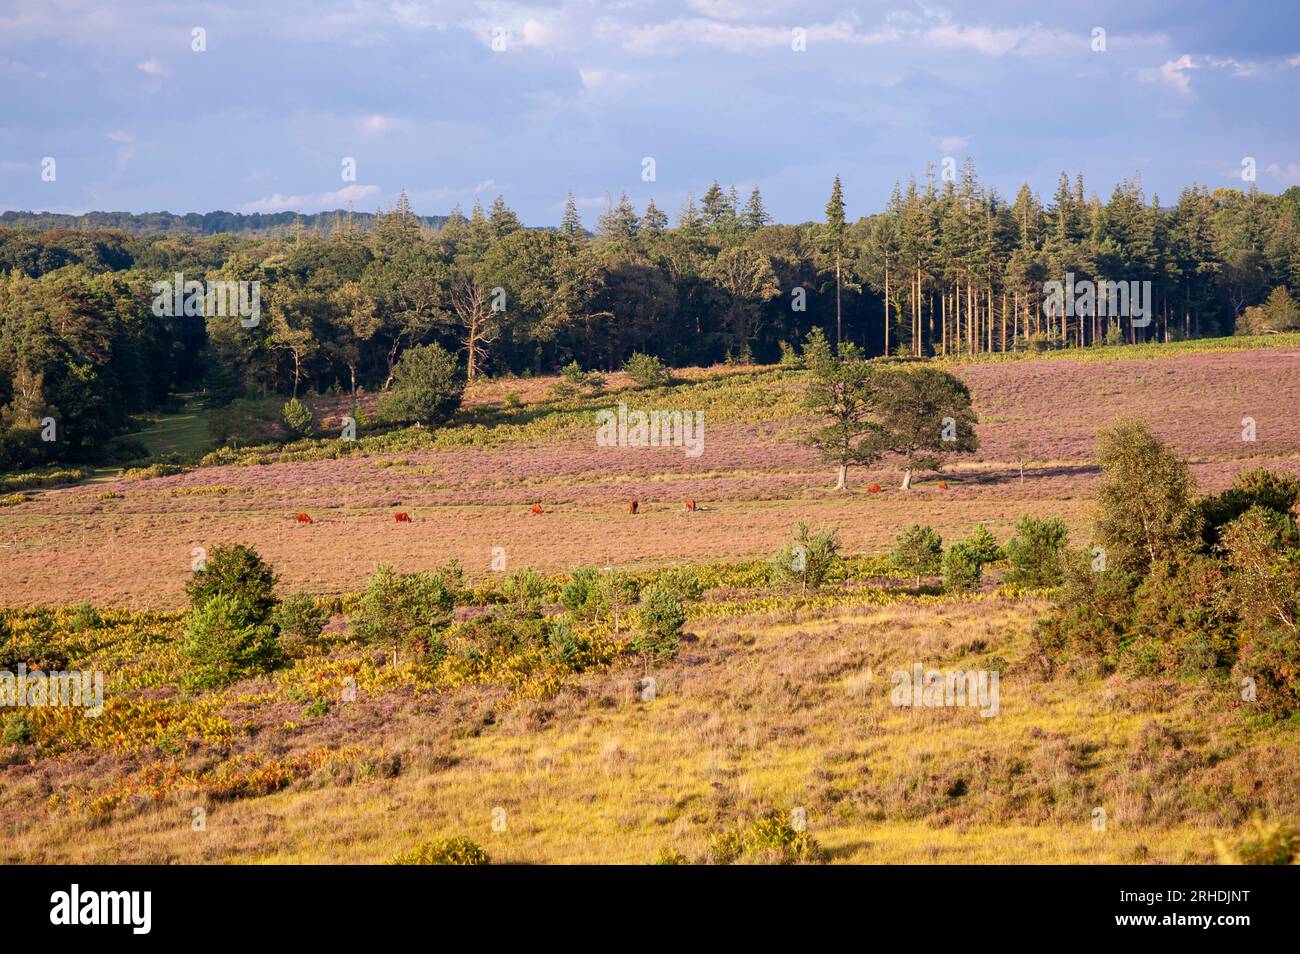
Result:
x=690 y=506
x=633 y=506
x=873 y=488
x=303 y=518
x=943 y=485
x=537 y=508
x=402 y=517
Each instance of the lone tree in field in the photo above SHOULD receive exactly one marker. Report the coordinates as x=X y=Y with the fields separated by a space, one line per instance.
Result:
x=922 y=414
x=1144 y=504
x=842 y=392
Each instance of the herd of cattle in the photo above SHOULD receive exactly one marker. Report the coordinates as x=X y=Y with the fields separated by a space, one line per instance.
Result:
x=633 y=506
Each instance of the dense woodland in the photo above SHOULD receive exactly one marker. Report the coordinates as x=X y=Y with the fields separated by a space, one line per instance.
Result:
x=947 y=267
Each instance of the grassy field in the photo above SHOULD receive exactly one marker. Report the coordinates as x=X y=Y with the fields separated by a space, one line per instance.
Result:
x=775 y=704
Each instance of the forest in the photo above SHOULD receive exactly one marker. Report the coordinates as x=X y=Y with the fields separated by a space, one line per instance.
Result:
x=949 y=267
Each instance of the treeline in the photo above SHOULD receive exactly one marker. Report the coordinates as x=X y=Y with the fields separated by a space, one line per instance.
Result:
x=196 y=223
x=948 y=267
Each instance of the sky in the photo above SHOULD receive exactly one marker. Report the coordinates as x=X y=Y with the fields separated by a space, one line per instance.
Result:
x=458 y=101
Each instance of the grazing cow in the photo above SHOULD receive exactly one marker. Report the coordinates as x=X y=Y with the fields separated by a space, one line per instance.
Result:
x=303 y=518
x=537 y=508
x=873 y=488
x=690 y=506
x=402 y=517
x=943 y=485
x=632 y=506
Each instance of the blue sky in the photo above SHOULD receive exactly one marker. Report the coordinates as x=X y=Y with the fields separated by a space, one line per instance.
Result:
x=576 y=94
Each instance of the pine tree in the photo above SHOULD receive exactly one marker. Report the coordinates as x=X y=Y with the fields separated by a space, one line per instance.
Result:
x=571 y=224
x=833 y=235
x=502 y=219
x=755 y=212
x=653 y=222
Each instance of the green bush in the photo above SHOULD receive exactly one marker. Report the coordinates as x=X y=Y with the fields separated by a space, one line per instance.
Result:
x=223 y=644
x=984 y=545
x=581 y=595
x=962 y=567
x=918 y=550
x=806 y=560
x=86 y=617
x=235 y=571
x=1254 y=488
x=403 y=610
x=296 y=418
x=1037 y=552
x=769 y=839
x=300 y=622
x=447 y=851
x=646 y=370
x=661 y=617
x=18 y=730
x=525 y=590
x=428 y=384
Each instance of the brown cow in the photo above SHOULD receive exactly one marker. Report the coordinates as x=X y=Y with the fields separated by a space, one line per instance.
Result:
x=690 y=506
x=537 y=508
x=943 y=485
x=873 y=488
x=303 y=518
x=402 y=517
x=632 y=506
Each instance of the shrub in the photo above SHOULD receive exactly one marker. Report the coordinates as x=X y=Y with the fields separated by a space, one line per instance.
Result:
x=646 y=370
x=403 y=610
x=683 y=582
x=524 y=589
x=962 y=567
x=1254 y=488
x=806 y=559
x=18 y=730
x=563 y=642
x=86 y=617
x=1037 y=552
x=428 y=384
x=447 y=851
x=918 y=550
x=573 y=375
x=661 y=617
x=223 y=644
x=239 y=573
x=300 y=622
x=581 y=595
x=769 y=839
x=296 y=418
x=984 y=545
x=1274 y=844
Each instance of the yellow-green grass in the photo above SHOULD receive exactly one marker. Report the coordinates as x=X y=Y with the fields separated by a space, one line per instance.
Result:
x=780 y=710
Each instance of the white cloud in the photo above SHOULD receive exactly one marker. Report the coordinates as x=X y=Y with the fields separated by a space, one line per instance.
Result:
x=1289 y=173
x=377 y=123
x=953 y=143
x=153 y=68
x=1173 y=73
x=310 y=203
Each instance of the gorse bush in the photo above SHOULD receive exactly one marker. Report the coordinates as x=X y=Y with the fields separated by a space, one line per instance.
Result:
x=769 y=839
